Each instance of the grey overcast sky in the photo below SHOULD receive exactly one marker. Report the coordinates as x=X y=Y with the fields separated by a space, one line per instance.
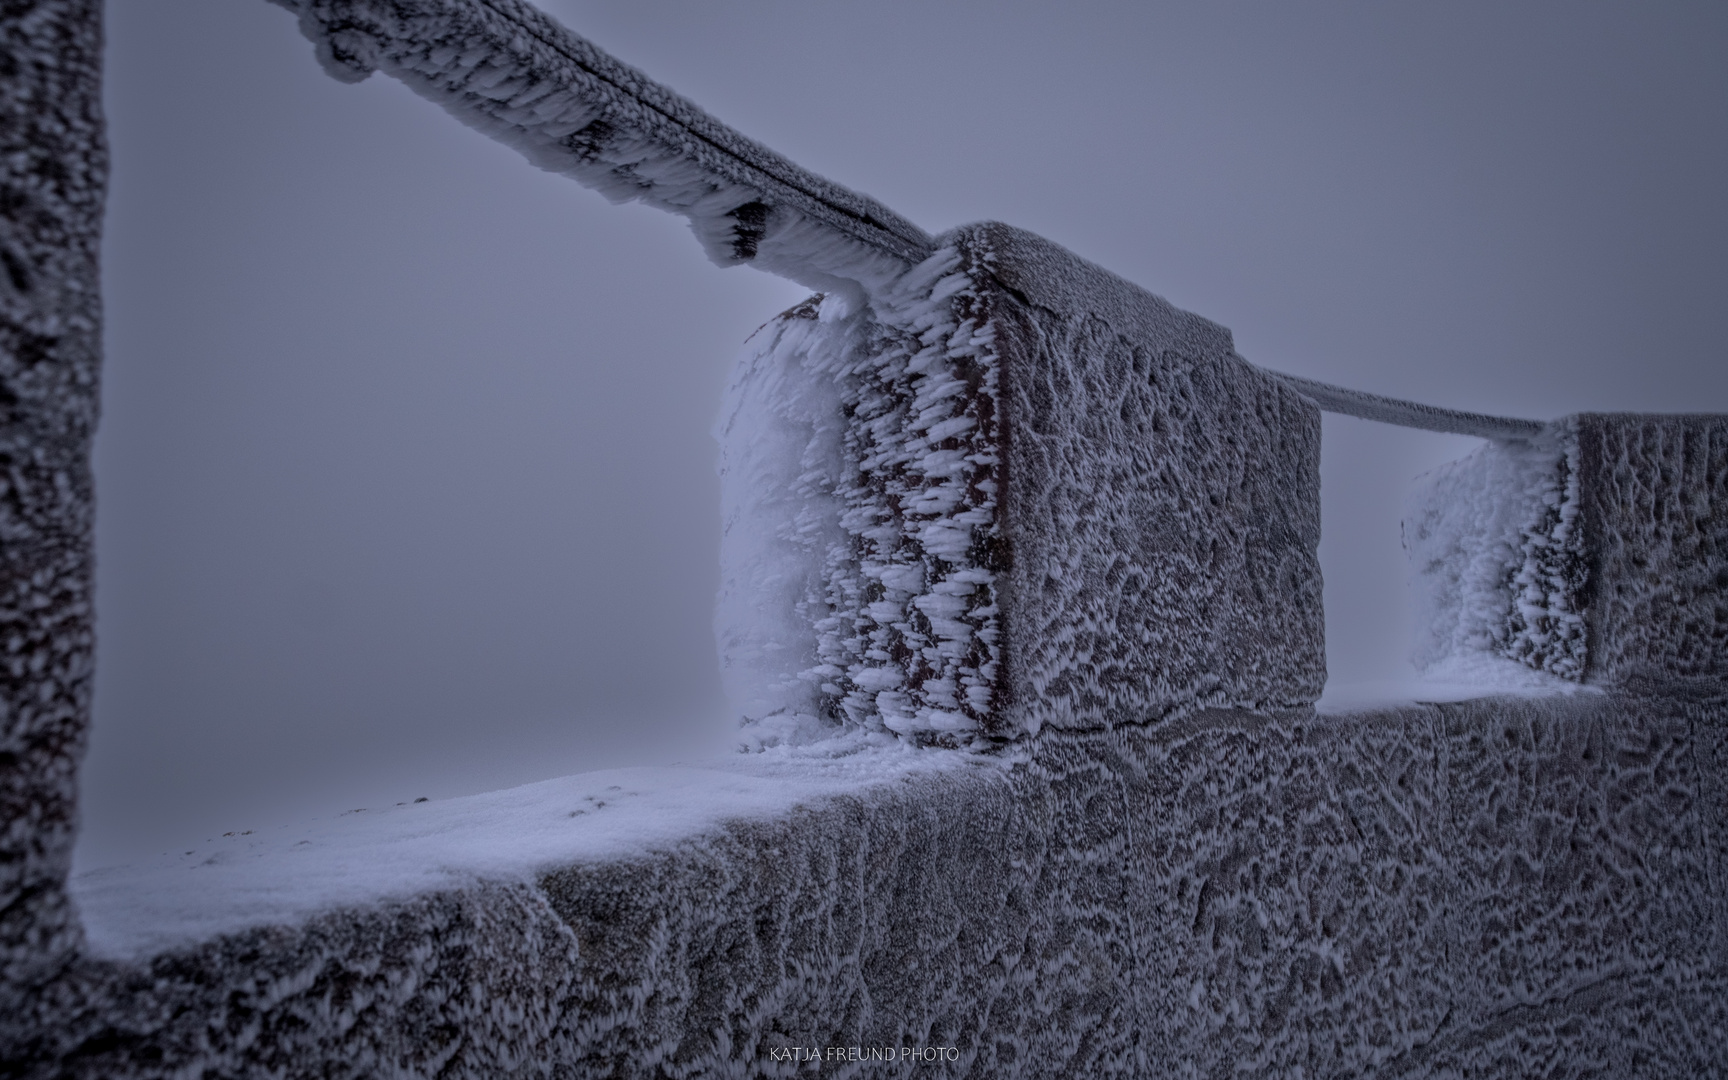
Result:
x=405 y=479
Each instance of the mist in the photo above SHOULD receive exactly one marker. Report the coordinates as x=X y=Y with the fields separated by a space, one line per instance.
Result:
x=405 y=485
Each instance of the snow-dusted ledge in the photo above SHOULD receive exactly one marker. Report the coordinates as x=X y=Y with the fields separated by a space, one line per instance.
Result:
x=1499 y=887
x=370 y=855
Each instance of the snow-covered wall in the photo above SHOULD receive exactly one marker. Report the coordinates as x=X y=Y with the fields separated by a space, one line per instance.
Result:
x=1654 y=503
x=53 y=176
x=1503 y=887
x=1139 y=881
x=1162 y=503
x=1012 y=491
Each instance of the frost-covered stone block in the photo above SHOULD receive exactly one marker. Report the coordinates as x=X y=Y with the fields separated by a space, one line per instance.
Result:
x=53 y=177
x=1009 y=492
x=1594 y=552
x=1496 y=556
x=1654 y=502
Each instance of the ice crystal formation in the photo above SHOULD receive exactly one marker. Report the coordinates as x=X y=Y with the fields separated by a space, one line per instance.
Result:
x=1589 y=552
x=861 y=552
x=991 y=501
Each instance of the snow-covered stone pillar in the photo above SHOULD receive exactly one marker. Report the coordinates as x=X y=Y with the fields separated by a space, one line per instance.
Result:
x=53 y=172
x=1597 y=551
x=979 y=487
x=1012 y=492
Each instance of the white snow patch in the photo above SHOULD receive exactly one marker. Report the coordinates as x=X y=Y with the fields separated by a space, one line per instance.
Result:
x=284 y=875
x=859 y=469
x=1463 y=677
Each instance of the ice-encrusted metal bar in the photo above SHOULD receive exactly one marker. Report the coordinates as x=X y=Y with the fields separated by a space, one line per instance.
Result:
x=1366 y=406
x=859 y=215
x=511 y=70
x=518 y=75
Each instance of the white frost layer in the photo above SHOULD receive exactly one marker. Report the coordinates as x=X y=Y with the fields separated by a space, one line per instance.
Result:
x=1456 y=678
x=782 y=460
x=860 y=474
x=1496 y=559
x=284 y=875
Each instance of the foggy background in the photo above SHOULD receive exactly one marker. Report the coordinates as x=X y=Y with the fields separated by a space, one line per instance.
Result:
x=405 y=480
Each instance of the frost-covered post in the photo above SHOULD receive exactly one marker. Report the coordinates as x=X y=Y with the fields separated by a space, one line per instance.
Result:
x=53 y=173
x=1012 y=493
x=1596 y=551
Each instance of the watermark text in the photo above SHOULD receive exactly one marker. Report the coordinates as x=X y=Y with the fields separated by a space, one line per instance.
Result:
x=881 y=1054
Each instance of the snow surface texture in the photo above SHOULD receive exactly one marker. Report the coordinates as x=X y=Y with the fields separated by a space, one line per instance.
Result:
x=53 y=175
x=1591 y=552
x=506 y=69
x=1507 y=887
x=1012 y=491
x=264 y=877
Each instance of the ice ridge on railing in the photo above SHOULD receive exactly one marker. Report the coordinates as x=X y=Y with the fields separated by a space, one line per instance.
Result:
x=1366 y=406
x=511 y=71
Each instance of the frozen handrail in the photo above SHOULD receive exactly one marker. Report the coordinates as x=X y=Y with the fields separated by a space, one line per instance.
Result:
x=1411 y=414
x=513 y=72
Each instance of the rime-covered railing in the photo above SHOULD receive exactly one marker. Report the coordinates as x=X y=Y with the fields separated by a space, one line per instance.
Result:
x=506 y=68
x=1386 y=410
